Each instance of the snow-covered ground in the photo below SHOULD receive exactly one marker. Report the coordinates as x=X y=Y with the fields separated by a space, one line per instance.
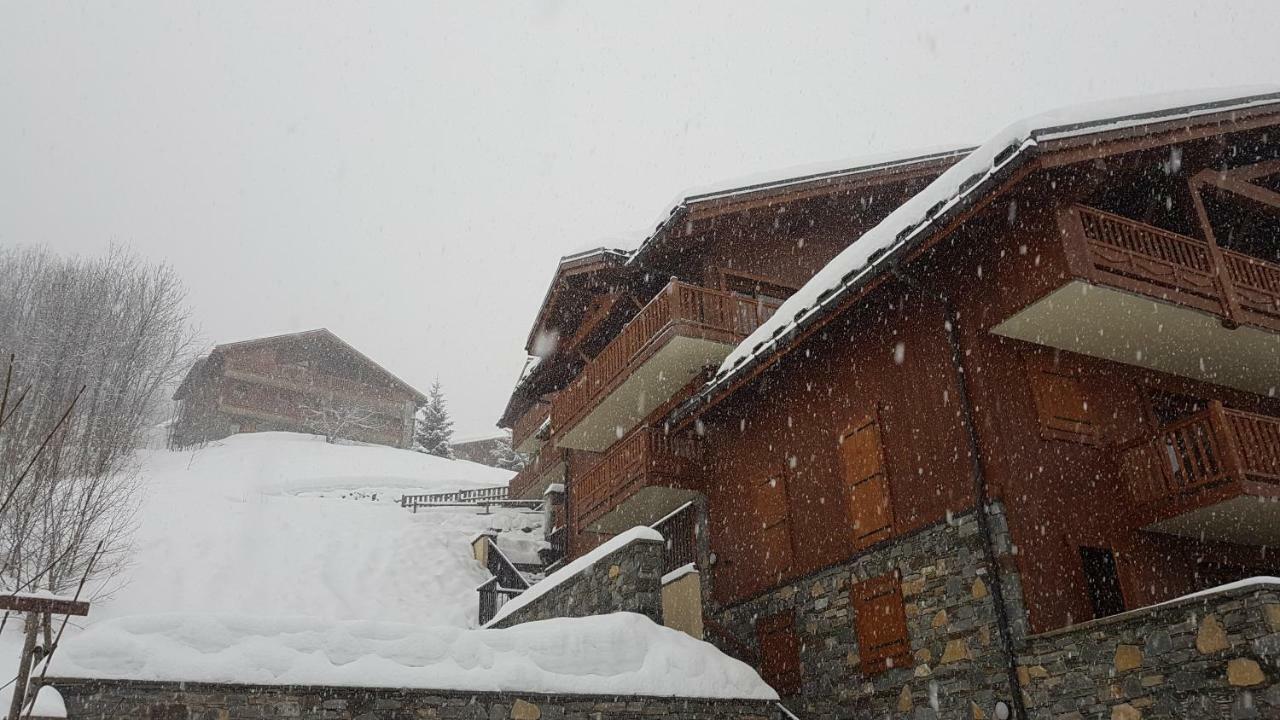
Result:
x=276 y=557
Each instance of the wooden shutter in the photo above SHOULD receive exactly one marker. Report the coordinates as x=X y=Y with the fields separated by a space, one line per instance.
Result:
x=881 y=623
x=780 y=652
x=862 y=457
x=1063 y=407
x=773 y=520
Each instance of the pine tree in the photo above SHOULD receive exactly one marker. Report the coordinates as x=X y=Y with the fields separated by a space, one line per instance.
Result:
x=503 y=456
x=433 y=430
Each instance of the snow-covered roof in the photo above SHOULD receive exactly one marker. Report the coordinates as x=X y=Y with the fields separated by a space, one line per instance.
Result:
x=788 y=178
x=618 y=654
x=878 y=248
x=322 y=334
x=550 y=582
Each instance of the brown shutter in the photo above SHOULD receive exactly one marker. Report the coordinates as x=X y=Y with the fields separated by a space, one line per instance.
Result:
x=1063 y=408
x=881 y=623
x=862 y=457
x=772 y=517
x=780 y=652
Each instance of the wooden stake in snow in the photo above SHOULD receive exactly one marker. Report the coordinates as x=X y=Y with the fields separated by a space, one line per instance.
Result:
x=35 y=605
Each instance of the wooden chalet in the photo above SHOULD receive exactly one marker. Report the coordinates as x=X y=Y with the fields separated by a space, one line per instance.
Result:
x=1060 y=349
x=282 y=382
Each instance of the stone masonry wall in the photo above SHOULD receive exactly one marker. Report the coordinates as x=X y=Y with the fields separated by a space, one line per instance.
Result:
x=132 y=700
x=626 y=580
x=958 y=669
x=1215 y=656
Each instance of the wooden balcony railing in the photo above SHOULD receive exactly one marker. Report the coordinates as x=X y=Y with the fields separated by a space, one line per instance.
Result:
x=645 y=457
x=529 y=423
x=702 y=312
x=547 y=457
x=1209 y=448
x=1142 y=256
x=311 y=381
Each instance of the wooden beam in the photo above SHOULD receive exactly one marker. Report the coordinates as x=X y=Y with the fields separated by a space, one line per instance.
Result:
x=28 y=603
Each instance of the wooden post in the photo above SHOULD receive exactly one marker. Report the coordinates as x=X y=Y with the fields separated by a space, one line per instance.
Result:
x=31 y=628
x=1230 y=301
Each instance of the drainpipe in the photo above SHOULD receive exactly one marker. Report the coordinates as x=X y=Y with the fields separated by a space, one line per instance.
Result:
x=977 y=465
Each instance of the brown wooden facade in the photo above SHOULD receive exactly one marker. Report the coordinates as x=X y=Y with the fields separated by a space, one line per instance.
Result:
x=1094 y=343
x=281 y=382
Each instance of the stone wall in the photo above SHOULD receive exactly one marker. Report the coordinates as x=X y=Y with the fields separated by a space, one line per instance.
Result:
x=958 y=668
x=132 y=700
x=628 y=579
x=1215 y=656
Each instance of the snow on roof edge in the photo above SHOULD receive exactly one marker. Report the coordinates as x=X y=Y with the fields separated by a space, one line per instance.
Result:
x=874 y=249
x=566 y=572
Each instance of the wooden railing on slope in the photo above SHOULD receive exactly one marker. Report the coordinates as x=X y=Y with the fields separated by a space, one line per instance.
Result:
x=701 y=309
x=1213 y=446
x=507 y=582
x=680 y=531
x=643 y=453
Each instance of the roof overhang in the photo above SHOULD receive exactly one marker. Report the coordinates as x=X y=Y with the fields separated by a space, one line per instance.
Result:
x=1048 y=146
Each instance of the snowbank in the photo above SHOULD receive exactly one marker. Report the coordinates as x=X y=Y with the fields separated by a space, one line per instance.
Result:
x=551 y=581
x=256 y=525
x=622 y=653
x=913 y=217
x=49 y=703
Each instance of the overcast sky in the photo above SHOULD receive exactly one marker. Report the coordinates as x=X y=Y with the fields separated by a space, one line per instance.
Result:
x=408 y=174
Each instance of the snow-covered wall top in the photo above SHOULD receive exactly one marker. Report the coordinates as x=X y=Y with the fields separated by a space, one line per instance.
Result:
x=567 y=572
x=877 y=247
x=619 y=654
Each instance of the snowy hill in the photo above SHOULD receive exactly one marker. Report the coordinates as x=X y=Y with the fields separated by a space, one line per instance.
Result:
x=276 y=557
x=285 y=524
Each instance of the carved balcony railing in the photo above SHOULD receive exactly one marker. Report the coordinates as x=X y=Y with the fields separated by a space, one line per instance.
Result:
x=699 y=311
x=528 y=426
x=547 y=457
x=1213 y=447
x=311 y=381
x=645 y=457
x=1150 y=260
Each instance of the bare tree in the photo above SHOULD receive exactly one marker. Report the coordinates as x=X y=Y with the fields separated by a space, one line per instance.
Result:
x=338 y=420
x=118 y=327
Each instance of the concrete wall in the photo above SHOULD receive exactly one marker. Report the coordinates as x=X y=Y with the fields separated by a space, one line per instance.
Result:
x=682 y=604
x=1211 y=657
x=132 y=700
x=628 y=579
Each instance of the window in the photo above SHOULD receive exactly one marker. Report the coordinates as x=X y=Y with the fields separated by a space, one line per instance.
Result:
x=1102 y=581
x=755 y=288
x=780 y=652
x=881 y=623
x=862 y=460
x=772 y=513
x=1063 y=408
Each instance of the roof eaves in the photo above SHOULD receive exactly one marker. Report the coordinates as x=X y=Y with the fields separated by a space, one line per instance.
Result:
x=1003 y=163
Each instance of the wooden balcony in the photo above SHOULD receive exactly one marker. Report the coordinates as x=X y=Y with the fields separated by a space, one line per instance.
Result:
x=312 y=382
x=1214 y=475
x=641 y=479
x=1145 y=296
x=544 y=468
x=527 y=434
x=684 y=329
x=1152 y=261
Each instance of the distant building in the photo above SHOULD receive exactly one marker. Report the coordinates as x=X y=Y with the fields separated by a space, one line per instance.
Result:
x=489 y=449
x=309 y=381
